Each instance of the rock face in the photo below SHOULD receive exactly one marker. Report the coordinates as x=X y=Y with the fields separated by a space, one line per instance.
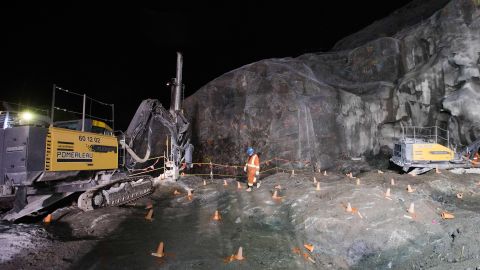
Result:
x=323 y=107
x=413 y=13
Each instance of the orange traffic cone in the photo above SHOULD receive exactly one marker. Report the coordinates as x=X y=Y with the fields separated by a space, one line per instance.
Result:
x=307 y=257
x=275 y=195
x=149 y=215
x=318 y=186
x=358 y=181
x=411 y=209
x=349 y=208
x=392 y=182
x=176 y=192
x=325 y=173
x=239 y=255
x=216 y=216
x=309 y=247
x=204 y=182
x=387 y=194
x=409 y=188
x=239 y=186
x=446 y=215
x=159 y=252
x=149 y=205
x=48 y=218
x=225 y=183
x=314 y=180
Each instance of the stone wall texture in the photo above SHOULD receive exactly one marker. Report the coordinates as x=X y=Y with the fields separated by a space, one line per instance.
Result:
x=349 y=102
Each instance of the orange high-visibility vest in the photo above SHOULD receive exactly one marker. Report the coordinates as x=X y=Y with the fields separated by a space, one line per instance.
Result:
x=253 y=165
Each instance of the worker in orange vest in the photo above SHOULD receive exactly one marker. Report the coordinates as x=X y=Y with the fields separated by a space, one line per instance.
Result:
x=252 y=168
x=475 y=159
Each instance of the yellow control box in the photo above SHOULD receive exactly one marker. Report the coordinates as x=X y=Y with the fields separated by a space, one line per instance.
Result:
x=72 y=150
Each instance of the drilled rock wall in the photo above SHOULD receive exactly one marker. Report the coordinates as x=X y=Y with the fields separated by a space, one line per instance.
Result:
x=323 y=107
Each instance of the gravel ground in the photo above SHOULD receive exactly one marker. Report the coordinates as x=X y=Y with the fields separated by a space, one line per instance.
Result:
x=378 y=234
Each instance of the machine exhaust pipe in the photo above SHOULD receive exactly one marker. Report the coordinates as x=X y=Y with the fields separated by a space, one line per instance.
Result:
x=177 y=87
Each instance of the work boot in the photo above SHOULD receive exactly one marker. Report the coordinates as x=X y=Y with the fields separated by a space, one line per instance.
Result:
x=258 y=184
x=249 y=189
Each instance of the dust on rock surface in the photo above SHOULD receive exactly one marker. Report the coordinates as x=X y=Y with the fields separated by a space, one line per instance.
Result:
x=378 y=234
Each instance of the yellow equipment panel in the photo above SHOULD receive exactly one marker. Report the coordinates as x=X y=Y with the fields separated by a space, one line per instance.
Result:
x=71 y=150
x=432 y=151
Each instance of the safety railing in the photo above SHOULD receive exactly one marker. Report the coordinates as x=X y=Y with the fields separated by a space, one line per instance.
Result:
x=212 y=170
x=432 y=134
x=272 y=165
x=83 y=114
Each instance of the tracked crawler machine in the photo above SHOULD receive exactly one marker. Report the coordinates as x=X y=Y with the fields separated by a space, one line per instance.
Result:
x=43 y=161
x=426 y=148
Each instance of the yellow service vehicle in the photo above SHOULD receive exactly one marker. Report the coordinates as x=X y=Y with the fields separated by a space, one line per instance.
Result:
x=427 y=148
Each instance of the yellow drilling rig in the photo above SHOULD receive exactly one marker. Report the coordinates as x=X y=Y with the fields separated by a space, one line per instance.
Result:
x=43 y=161
x=426 y=148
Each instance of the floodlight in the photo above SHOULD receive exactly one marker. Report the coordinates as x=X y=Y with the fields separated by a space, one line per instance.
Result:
x=27 y=116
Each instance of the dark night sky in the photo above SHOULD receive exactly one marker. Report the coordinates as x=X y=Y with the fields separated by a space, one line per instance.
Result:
x=123 y=55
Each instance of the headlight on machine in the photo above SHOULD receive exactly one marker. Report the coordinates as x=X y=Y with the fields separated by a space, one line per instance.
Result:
x=26 y=116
